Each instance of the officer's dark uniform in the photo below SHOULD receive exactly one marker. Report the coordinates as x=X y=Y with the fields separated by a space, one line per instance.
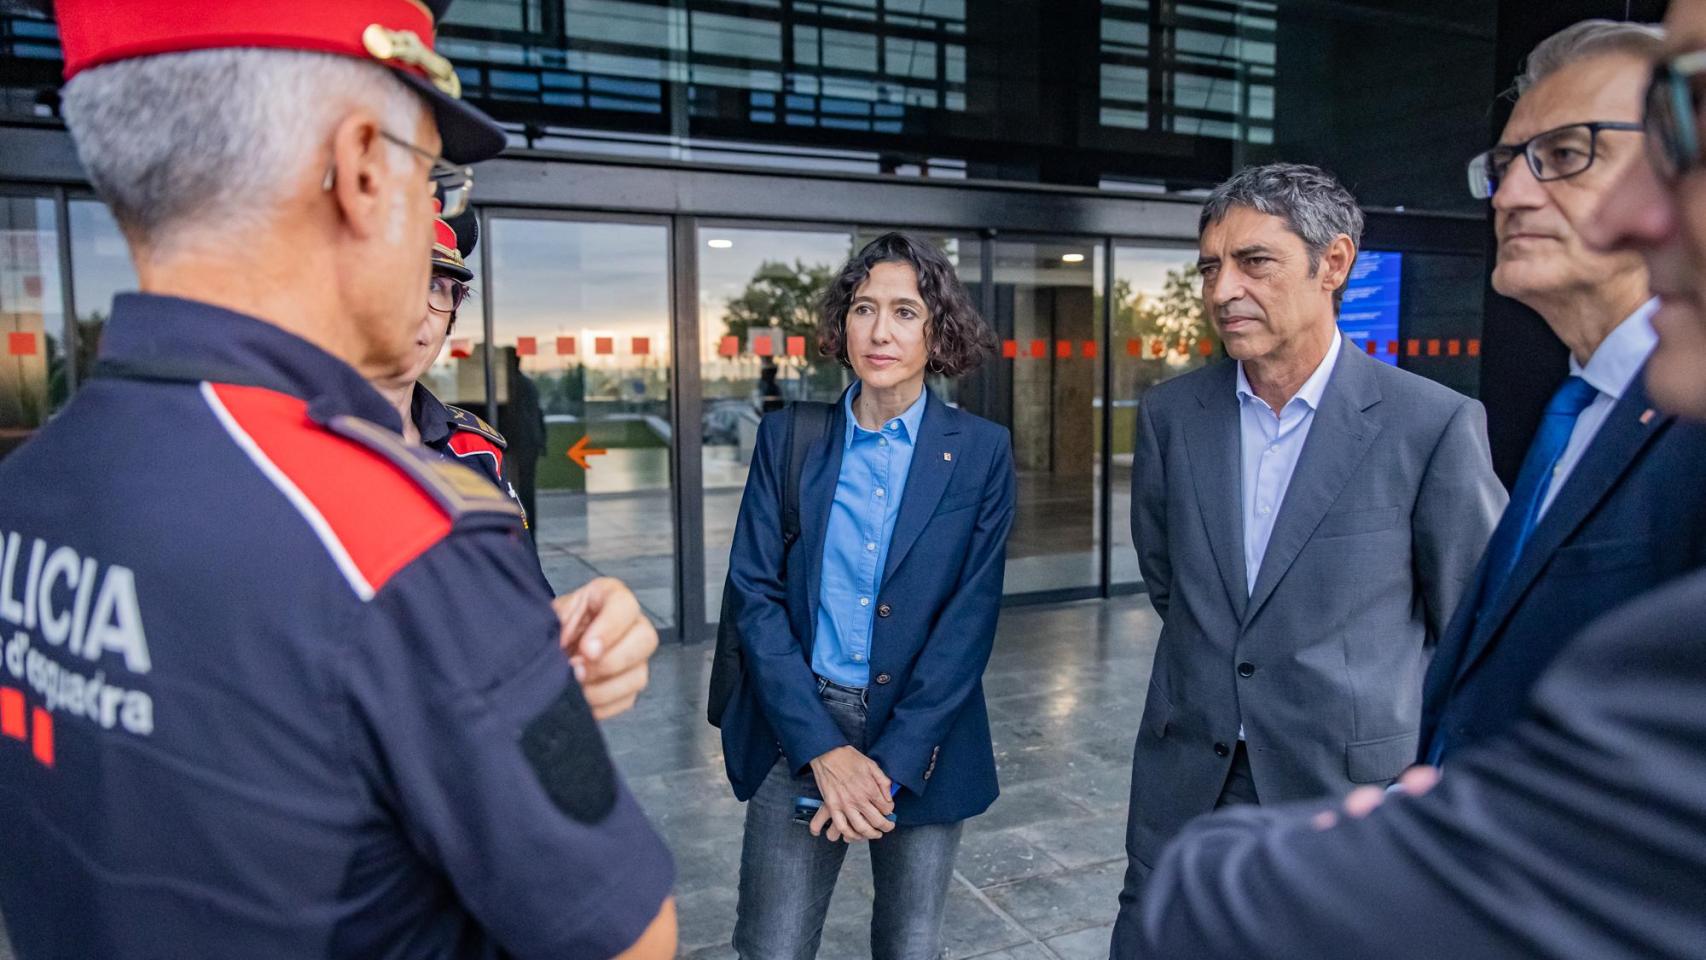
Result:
x=293 y=691
x=272 y=683
x=457 y=434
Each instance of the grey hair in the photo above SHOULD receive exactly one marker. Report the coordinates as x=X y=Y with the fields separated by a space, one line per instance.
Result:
x=202 y=146
x=1313 y=204
x=1590 y=38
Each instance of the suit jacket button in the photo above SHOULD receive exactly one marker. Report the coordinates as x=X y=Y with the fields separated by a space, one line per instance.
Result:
x=882 y=678
x=883 y=610
x=1246 y=669
x=1221 y=750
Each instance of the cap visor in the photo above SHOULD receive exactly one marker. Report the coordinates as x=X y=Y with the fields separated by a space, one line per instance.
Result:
x=449 y=269
x=469 y=136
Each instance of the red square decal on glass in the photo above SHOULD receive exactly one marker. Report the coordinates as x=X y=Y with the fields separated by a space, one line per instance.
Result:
x=764 y=346
x=604 y=346
x=1039 y=349
x=796 y=346
x=729 y=347
x=526 y=346
x=642 y=346
x=565 y=346
x=461 y=348
x=1010 y=348
x=21 y=344
x=1088 y=348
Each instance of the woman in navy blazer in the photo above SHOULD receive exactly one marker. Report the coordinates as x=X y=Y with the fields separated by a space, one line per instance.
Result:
x=864 y=640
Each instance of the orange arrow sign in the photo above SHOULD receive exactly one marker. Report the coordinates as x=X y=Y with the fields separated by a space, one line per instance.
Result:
x=580 y=451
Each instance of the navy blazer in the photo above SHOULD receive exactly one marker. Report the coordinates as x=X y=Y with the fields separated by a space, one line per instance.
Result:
x=1628 y=518
x=937 y=604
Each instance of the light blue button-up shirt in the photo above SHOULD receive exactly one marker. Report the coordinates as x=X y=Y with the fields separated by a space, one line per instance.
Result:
x=1271 y=444
x=874 y=466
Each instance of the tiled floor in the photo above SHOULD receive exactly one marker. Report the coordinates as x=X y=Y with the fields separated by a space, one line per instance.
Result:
x=1037 y=875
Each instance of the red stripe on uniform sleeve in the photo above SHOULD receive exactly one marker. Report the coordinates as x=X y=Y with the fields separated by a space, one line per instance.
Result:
x=378 y=513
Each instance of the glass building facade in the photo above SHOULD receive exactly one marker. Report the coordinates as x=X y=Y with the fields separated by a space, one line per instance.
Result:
x=685 y=175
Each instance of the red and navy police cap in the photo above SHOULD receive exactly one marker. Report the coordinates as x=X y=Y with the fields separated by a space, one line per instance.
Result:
x=453 y=241
x=396 y=33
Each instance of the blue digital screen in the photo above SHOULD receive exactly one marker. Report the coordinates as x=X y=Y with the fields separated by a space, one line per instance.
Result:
x=1370 y=308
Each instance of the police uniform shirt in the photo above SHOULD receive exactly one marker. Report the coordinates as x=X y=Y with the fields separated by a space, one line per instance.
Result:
x=275 y=684
x=463 y=437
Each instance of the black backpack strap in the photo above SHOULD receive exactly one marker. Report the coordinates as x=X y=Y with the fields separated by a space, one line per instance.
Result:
x=807 y=422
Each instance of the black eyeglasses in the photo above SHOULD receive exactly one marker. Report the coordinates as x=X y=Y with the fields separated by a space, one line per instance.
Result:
x=1673 y=112
x=445 y=294
x=1555 y=154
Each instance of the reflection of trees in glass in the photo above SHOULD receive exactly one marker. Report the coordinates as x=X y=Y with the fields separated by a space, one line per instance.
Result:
x=779 y=296
x=1174 y=316
x=786 y=298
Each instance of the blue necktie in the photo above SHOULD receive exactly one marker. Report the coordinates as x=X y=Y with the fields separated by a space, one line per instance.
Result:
x=1518 y=522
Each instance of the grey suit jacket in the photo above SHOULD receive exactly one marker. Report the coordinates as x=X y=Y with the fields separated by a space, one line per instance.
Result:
x=1578 y=835
x=1387 y=514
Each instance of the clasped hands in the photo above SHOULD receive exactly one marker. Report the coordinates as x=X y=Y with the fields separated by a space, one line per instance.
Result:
x=856 y=797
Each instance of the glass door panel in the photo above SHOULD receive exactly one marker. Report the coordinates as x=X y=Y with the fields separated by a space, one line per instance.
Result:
x=33 y=375
x=758 y=297
x=1043 y=387
x=580 y=379
x=100 y=270
x=1158 y=332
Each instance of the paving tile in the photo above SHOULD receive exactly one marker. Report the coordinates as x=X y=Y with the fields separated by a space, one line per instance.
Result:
x=1090 y=943
x=1075 y=844
x=1024 y=951
x=1030 y=803
x=1064 y=902
x=988 y=857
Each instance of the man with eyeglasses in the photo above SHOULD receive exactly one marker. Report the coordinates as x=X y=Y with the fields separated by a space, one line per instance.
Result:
x=1579 y=833
x=455 y=433
x=1593 y=519
x=605 y=632
x=276 y=683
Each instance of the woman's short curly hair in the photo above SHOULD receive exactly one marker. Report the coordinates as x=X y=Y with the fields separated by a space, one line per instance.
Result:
x=955 y=334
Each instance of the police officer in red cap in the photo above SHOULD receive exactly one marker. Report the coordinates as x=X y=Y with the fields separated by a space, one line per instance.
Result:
x=605 y=632
x=456 y=433
x=295 y=689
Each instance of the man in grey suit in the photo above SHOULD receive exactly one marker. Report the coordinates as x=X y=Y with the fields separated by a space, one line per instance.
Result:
x=1580 y=832
x=1306 y=519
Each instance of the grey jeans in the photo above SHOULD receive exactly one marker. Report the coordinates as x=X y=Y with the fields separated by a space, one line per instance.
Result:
x=787 y=875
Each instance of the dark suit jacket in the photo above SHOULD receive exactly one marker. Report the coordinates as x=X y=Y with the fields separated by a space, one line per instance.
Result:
x=932 y=635
x=1578 y=835
x=1628 y=518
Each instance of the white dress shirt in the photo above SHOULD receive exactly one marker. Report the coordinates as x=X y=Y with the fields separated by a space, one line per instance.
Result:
x=1270 y=444
x=1611 y=369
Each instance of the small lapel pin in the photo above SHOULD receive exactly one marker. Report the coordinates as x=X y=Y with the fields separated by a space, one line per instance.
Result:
x=1647 y=418
x=947 y=456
